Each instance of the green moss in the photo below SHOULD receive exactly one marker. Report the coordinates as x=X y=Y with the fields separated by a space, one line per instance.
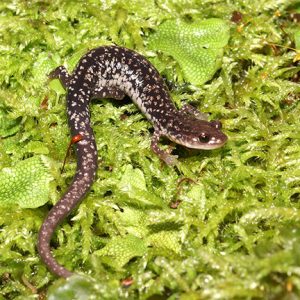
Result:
x=235 y=233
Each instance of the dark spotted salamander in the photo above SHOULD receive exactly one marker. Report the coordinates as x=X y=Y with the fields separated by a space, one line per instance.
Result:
x=113 y=72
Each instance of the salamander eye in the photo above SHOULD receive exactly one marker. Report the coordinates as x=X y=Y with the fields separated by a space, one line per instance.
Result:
x=204 y=138
x=216 y=124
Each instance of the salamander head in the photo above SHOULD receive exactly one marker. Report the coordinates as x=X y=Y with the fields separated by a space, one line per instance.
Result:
x=197 y=134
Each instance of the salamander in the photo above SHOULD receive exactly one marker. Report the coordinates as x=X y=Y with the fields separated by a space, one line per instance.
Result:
x=113 y=72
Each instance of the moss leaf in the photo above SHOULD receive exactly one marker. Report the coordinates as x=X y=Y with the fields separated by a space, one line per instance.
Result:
x=297 y=39
x=197 y=47
x=8 y=126
x=168 y=240
x=133 y=184
x=26 y=184
x=120 y=250
x=132 y=179
x=43 y=66
x=81 y=287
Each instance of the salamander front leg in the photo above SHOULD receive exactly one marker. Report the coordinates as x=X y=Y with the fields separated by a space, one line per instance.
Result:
x=62 y=74
x=163 y=155
x=193 y=111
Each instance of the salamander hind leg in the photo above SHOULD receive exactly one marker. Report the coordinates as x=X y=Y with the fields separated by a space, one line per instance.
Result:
x=62 y=74
x=163 y=155
x=108 y=92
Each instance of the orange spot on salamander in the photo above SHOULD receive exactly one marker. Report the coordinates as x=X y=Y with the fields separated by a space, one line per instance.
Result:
x=75 y=139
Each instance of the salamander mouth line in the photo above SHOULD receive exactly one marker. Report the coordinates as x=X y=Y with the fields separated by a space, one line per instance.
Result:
x=113 y=72
x=206 y=146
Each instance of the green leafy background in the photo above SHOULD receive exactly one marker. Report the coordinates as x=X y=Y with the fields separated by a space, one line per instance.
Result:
x=235 y=233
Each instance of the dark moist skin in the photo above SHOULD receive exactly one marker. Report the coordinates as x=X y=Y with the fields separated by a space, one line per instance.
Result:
x=113 y=72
